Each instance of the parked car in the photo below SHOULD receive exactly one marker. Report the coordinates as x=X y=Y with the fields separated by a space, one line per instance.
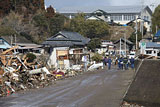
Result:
x=132 y=55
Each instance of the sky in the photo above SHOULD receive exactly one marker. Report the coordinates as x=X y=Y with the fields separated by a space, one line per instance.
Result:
x=68 y=3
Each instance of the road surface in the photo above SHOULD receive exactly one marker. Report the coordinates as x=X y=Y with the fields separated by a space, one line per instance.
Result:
x=100 y=88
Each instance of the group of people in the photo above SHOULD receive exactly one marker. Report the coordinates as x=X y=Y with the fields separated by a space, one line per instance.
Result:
x=122 y=62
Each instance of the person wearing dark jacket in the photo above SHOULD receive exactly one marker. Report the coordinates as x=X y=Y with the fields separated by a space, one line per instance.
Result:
x=132 y=62
x=109 y=63
x=125 y=62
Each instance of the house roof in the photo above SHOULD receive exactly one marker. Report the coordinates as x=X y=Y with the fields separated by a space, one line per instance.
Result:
x=94 y=18
x=5 y=44
x=123 y=40
x=138 y=19
x=157 y=34
x=19 y=39
x=152 y=45
x=66 y=38
x=108 y=9
x=145 y=88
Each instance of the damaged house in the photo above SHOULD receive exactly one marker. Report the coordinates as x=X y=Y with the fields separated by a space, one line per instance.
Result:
x=65 y=49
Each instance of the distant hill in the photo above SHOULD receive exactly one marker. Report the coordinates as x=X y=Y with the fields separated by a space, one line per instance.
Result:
x=26 y=7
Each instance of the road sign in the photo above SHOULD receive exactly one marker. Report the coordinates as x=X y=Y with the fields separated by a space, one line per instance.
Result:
x=143 y=44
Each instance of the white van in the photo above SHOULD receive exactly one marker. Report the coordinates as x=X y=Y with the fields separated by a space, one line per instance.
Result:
x=132 y=55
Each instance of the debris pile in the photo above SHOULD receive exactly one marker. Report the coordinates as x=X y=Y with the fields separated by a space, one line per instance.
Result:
x=126 y=104
x=17 y=73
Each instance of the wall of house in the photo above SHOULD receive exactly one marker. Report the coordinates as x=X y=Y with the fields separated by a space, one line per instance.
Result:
x=151 y=51
x=53 y=61
x=123 y=18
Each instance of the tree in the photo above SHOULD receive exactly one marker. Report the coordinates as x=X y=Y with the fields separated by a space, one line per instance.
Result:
x=156 y=19
x=50 y=12
x=57 y=23
x=78 y=24
x=132 y=38
x=89 y=28
x=96 y=29
x=97 y=57
x=94 y=43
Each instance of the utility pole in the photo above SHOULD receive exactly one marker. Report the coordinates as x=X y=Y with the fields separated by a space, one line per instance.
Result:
x=142 y=2
x=15 y=40
x=125 y=45
x=120 y=47
x=11 y=40
x=136 y=34
x=156 y=28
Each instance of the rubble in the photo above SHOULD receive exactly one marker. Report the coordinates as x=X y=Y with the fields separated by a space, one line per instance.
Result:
x=17 y=74
x=126 y=104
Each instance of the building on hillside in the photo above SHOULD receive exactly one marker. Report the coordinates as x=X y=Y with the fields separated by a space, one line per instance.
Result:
x=65 y=49
x=118 y=14
x=123 y=44
x=107 y=47
x=146 y=23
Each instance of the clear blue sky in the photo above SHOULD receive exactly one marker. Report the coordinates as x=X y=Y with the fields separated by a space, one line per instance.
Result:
x=68 y=3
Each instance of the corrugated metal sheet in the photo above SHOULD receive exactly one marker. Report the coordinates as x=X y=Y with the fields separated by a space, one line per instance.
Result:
x=108 y=9
x=152 y=45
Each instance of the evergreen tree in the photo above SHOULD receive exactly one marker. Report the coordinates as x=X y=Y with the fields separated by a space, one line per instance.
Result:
x=156 y=19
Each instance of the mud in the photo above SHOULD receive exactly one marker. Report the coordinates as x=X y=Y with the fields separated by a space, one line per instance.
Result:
x=100 y=88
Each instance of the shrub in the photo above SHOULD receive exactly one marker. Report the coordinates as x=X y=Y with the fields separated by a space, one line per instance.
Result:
x=97 y=57
x=30 y=57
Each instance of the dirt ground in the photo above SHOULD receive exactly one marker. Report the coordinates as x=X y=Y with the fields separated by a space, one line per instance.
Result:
x=102 y=88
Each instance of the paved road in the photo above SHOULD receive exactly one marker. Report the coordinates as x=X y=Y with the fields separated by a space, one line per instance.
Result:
x=92 y=89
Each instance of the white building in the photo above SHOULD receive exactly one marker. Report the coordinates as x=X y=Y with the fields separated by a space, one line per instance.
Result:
x=150 y=48
x=118 y=14
x=107 y=47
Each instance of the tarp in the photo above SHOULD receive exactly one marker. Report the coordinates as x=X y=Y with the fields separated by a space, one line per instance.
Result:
x=157 y=34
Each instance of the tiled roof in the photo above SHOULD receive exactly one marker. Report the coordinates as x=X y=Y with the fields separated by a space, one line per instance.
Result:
x=127 y=41
x=67 y=39
x=157 y=34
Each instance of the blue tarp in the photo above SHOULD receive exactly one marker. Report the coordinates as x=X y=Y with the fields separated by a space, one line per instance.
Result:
x=157 y=34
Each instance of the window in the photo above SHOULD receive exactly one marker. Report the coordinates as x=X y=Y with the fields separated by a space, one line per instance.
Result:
x=146 y=17
x=129 y=17
x=148 y=52
x=116 y=17
x=59 y=36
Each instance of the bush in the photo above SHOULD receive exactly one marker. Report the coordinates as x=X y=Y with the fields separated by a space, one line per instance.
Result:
x=30 y=57
x=97 y=58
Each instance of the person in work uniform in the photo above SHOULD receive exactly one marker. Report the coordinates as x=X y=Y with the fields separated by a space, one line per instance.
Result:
x=109 y=63
x=125 y=62
x=120 y=63
x=132 y=62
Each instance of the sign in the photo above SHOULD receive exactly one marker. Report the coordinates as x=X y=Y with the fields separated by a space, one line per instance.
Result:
x=143 y=47
x=143 y=44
